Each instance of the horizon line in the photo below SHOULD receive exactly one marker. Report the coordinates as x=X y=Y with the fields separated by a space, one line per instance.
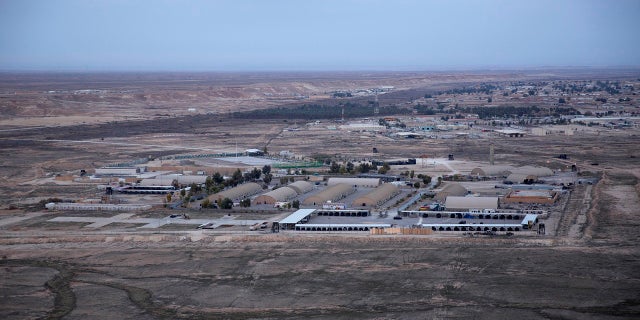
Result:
x=311 y=70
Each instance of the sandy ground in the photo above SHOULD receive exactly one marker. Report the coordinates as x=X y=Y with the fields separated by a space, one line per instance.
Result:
x=585 y=268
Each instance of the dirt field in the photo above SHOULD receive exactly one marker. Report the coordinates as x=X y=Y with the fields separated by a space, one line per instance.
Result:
x=588 y=269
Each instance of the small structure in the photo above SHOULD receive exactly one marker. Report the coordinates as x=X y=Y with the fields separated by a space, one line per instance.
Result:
x=465 y=203
x=254 y=152
x=513 y=133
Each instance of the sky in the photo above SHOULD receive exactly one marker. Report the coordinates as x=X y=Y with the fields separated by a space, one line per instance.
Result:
x=316 y=35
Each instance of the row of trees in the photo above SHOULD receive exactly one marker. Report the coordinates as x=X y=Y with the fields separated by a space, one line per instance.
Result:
x=216 y=182
x=350 y=168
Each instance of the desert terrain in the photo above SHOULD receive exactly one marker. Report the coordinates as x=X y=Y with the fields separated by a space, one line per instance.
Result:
x=55 y=125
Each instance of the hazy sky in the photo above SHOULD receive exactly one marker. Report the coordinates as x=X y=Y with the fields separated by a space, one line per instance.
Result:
x=316 y=35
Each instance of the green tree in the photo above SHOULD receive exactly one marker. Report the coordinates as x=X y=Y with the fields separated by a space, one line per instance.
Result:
x=217 y=178
x=267 y=178
x=296 y=204
x=334 y=168
x=416 y=185
x=236 y=178
x=208 y=183
x=245 y=203
x=350 y=167
x=206 y=203
x=266 y=169
x=226 y=203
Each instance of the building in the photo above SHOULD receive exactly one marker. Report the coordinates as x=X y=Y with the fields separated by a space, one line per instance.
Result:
x=531 y=196
x=505 y=171
x=96 y=206
x=281 y=194
x=510 y=132
x=534 y=171
x=465 y=203
x=363 y=127
x=254 y=152
x=451 y=189
x=332 y=193
x=299 y=216
x=355 y=182
x=117 y=171
x=301 y=187
x=240 y=192
x=492 y=171
x=519 y=178
x=166 y=180
x=377 y=196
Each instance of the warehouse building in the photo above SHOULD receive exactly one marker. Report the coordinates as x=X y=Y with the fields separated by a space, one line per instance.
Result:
x=531 y=196
x=466 y=203
x=355 y=182
x=117 y=171
x=237 y=193
x=333 y=193
x=96 y=206
x=377 y=196
x=165 y=180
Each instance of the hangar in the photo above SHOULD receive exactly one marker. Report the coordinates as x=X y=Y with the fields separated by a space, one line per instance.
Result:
x=333 y=193
x=492 y=171
x=301 y=187
x=466 y=203
x=356 y=182
x=277 y=195
x=240 y=192
x=534 y=171
x=519 y=178
x=451 y=189
x=377 y=196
